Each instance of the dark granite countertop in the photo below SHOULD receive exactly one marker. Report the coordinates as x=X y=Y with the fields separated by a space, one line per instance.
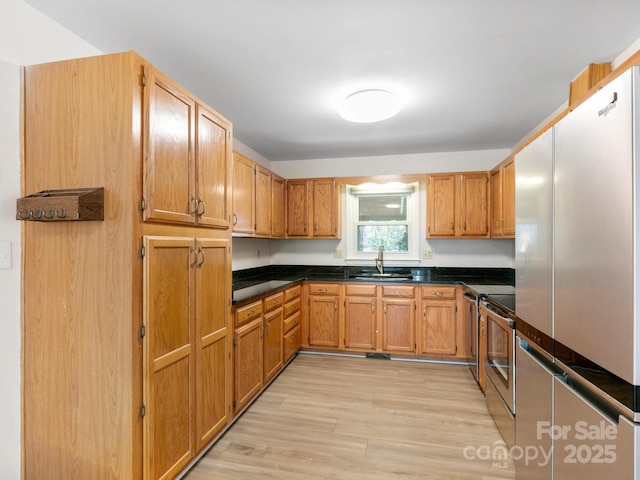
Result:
x=252 y=283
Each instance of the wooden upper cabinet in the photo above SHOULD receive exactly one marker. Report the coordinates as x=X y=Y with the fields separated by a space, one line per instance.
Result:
x=244 y=179
x=312 y=208
x=441 y=205
x=325 y=208
x=297 y=208
x=263 y=202
x=169 y=173
x=474 y=205
x=213 y=169
x=278 y=203
x=186 y=157
x=458 y=205
x=503 y=193
x=509 y=198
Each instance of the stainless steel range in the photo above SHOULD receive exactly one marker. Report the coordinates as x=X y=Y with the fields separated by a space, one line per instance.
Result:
x=472 y=294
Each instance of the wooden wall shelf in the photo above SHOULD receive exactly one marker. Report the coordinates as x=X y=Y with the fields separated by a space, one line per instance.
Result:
x=71 y=204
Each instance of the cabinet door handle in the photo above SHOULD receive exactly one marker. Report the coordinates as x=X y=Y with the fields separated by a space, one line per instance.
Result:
x=261 y=331
x=452 y=226
x=200 y=253
x=195 y=257
x=194 y=204
x=424 y=311
x=235 y=219
x=201 y=210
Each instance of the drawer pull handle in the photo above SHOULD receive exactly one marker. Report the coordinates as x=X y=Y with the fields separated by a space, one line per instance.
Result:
x=252 y=312
x=322 y=290
x=438 y=294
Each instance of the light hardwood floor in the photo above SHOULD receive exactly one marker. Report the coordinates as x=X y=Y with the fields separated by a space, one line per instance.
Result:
x=345 y=418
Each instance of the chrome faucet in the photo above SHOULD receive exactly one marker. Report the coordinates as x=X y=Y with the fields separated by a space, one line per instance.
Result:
x=380 y=261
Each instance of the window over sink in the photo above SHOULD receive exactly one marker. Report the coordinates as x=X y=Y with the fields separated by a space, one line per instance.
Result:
x=382 y=215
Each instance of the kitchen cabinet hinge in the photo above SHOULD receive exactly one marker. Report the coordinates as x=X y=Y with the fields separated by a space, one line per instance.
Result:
x=143 y=204
x=143 y=251
x=143 y=411
x=143 y=330
x=143 y=80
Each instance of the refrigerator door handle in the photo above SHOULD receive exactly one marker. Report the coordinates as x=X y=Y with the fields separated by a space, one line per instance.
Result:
x=538 y=355
x=599 y=405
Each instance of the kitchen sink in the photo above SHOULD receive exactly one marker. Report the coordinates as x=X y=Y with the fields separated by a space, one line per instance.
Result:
x=383 y=276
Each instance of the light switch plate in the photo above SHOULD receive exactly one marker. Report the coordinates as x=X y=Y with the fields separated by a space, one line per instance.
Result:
x=5 y=254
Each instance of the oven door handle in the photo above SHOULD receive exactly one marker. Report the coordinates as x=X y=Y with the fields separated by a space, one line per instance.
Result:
x=508 y=321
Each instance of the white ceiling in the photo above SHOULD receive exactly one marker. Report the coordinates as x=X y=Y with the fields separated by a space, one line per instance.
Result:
x=478 y=74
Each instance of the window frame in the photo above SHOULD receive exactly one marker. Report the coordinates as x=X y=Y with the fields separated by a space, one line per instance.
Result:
x=353 y=192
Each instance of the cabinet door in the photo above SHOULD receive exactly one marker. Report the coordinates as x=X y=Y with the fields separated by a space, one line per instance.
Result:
x=441 y=206
x=438 y=328
x=360 y=323
x=482 y=349
x=263 y=202
x=496 y=203
x=277 y=206
x=168 y=368
x=169 y=172
x=509 y=199
x=244 y=188
x=297 y=208
x=248 y=362
x=292 y=342
x=213 y=169
x=474 y=205
x=325 y=211
x=398 y=325
x=214 y=381
x=323 y=321
x=273 y=343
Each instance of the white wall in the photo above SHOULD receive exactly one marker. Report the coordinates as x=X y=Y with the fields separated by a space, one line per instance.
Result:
x=26 y=37
x=391 y=164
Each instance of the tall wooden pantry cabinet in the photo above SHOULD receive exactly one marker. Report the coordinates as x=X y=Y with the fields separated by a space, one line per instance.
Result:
x=127 y=338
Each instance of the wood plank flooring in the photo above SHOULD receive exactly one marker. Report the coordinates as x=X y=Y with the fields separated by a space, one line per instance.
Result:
x=345 y=418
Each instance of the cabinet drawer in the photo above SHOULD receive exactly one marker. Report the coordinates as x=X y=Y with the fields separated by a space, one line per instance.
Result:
x=291 y=293
x=324 y=289
x=248 y=312
x=291 y=322
x=398 y=290
x=292 y=342
x=360 y=290
x=273 y=301
x=438 y=292
x=291 y=307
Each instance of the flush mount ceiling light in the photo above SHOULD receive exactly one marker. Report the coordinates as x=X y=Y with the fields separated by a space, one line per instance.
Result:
x=372 y=105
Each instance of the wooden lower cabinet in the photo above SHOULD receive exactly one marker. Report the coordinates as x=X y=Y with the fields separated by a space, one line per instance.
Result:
x=292 y=329
x=438 y=332
x=482 y=350
x=360 y=316
x=249 y=361
x=186 y=368
x=324 y=315
x=273 y=343
x=398 y=319
x=292 y=342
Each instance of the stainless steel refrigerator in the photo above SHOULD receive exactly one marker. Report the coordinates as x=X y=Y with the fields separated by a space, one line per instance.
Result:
x=577 y=290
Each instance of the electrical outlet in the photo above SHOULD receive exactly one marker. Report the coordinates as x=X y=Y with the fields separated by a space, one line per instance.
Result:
x=337 y=253
x=427 y=254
